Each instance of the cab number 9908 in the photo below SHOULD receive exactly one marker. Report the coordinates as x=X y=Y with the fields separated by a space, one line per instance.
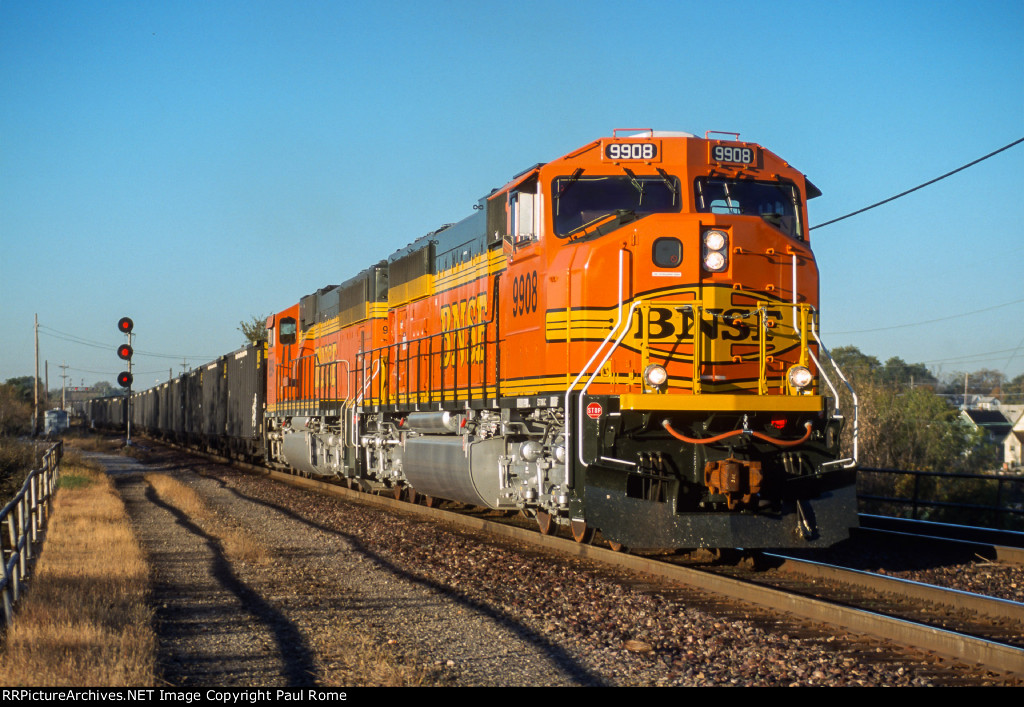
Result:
x=631 y=151
x=737 y=155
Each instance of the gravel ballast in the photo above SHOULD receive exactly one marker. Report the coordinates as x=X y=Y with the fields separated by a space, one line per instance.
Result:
x=335 y=593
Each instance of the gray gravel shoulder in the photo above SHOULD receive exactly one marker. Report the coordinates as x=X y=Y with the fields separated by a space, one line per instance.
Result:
x=346 y=595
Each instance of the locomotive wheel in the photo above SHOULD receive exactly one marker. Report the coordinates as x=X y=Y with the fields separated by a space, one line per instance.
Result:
x=411 y=496
x=546 y=523
x=396 y=491
x=431 y=502
x=581 y=533
x=617 y=547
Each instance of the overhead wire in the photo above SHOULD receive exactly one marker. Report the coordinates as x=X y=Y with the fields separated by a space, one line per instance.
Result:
x=75 y=339
x=920 y=186
x=910 y=191
x=928 y=321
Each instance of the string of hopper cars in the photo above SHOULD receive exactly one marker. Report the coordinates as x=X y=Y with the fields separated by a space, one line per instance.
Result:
x=623 y=339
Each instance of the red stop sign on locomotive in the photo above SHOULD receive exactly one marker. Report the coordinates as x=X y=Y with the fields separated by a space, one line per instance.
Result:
x=594 y=410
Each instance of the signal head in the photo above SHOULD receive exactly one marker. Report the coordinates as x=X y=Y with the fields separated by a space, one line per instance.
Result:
x=124 y=325
x=124 y=351
x=124 y=379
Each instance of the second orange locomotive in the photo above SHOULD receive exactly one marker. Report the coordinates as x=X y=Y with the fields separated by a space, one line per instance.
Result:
x=622 y=339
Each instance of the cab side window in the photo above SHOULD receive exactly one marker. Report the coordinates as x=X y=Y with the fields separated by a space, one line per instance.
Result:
x=286 y=331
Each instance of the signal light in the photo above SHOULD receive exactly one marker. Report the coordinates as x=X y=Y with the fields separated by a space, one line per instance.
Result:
x=124 y=351
x=124 y=379
x=124 y=325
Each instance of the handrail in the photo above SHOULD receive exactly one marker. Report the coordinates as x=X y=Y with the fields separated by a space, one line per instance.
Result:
x=849 y=462
x=323 y=380
x=375 y=356
x=593 y=377
x=25 y=516
x=566 y=427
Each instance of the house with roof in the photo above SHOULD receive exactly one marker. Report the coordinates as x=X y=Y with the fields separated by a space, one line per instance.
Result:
x=1001 y=430
x=1013 y=456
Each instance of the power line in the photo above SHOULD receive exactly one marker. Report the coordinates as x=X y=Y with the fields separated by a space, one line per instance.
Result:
x=920 y=186
x=966 y=358
x=1014 y=354
x=72 y=338
x=928 y=321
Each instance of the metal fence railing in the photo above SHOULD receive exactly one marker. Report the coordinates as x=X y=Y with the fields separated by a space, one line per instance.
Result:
x=22 y=522
x=987 y=500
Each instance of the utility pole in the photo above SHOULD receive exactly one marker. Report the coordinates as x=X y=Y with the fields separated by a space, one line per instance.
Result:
x=64 y=387
x=35 y=387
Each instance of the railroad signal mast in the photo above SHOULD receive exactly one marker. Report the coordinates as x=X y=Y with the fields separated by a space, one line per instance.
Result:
x=124 y=378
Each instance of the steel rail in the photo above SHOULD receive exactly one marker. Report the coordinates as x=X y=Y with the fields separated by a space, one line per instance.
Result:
x=988 y=551
x=978 y=603
x=943 y=531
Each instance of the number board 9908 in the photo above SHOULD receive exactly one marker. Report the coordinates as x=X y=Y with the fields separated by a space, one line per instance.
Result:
x=733 y=154
x=631 y=151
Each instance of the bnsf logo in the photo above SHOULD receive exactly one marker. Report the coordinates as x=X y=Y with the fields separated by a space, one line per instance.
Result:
x=455 y=318
x=664 y=323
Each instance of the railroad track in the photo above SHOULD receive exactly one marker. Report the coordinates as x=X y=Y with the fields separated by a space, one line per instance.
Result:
x=997 y=545
x=981 y=633
x=973 y=630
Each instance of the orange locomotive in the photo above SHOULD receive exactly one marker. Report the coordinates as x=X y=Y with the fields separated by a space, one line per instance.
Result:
x=623 y=339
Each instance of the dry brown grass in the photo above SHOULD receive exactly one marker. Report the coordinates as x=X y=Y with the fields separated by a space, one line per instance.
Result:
x=238 y=545
x=355 y=658
x=85 y=620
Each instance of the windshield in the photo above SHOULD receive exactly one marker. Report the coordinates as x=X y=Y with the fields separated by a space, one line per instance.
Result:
x=778 y=203
x=580 y=201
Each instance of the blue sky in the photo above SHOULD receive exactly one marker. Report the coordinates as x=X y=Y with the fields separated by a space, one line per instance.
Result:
x=192 y=164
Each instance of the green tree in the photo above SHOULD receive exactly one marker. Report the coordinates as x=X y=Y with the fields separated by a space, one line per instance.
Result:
x=254 y=330
x=102 y=389
x=905 y=424
x=1013 y=391
x=854 y=364
x=903 y=427
x=23 y=386
x=982 y=382
x=15 y=410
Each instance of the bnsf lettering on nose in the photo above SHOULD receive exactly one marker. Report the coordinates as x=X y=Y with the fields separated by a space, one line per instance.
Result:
x=678 y=323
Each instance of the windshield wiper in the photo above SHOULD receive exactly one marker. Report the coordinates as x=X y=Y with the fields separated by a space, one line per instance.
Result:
x=622 y=216
x=668 y=181
x=572 y=180
x=632 y=179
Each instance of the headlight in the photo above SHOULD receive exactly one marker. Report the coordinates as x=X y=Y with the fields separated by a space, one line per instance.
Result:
x=800 y=377
x=714 y=261
x=716 y=248
x=715 y=240
x=655 y=375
